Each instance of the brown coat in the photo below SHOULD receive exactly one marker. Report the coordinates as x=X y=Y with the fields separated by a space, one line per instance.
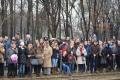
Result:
x=39 y=55
x=47 y=57
x=31 y=52
x=1 y=55
x=95 y=50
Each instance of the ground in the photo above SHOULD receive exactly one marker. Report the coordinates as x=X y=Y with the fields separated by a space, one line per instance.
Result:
x=76 y=76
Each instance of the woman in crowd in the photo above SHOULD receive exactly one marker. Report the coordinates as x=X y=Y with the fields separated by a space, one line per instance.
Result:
x=81 y=60
x=64 y=58
x=71 y=57
x=2 y=51
x=47 y=52
x=12 y=64
x=39 y=56
x=31 y=58
x=55 y=57
x=22 y=59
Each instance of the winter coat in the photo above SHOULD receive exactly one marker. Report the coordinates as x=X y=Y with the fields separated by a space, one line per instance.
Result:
x=47 y=52
x=104 y=53
x=9 y=53
x=22 y=56
x=7 y=44
x=1 y=54
x=95 y=51
x=88 y=49
x=81 y=56
x=39 y=55
x=55 y=54
x=71 y=58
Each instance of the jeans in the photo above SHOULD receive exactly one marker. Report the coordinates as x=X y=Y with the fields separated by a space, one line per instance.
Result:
x=21 y=68
x=72 y=67
x=93 y=65
x=54 y=62
x=66 y=68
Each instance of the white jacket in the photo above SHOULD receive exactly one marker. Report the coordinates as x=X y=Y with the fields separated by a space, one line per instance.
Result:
x=81 y=59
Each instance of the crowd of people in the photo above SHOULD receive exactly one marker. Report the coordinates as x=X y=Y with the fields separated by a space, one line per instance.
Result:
x=53 y=56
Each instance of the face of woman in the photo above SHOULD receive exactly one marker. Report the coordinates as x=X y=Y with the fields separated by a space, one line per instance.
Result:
x=14 y=45
x=81 y=45
x=30 y=46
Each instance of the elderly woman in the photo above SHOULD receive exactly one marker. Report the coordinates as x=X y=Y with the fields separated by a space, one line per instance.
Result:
x=22 y=59
x=2 y=50
x=81 y=60
x=47 y=52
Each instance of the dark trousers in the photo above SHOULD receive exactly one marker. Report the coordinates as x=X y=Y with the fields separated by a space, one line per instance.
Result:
x=27 y=70
x=81 y=67
x=93 y=64
x=88 y=63
x=12 y=69
x=37 y=68
x=72 y=67
x=110 y=63
x=118 y=61
x=1 y=69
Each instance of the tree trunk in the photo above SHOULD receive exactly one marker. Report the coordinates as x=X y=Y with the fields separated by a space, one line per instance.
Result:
x=94 y=18
x=4 y=17
x=29 y=16
x=11 y=19
x=14 y=18
x=86 y=28
x=66 y=26
x=21 y=16
x=37 y=21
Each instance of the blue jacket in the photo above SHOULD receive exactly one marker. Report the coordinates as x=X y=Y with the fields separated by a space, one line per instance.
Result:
x=88 y=49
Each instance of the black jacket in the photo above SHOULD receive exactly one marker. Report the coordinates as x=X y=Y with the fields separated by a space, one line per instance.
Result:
x=22 y=56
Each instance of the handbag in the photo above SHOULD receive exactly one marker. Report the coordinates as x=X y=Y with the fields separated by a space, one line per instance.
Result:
x=34 y=61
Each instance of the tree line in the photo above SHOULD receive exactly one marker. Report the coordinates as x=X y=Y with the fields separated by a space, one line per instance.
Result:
x=55 y=17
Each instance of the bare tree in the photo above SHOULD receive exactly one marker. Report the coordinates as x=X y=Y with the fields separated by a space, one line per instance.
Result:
x=4 y=18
